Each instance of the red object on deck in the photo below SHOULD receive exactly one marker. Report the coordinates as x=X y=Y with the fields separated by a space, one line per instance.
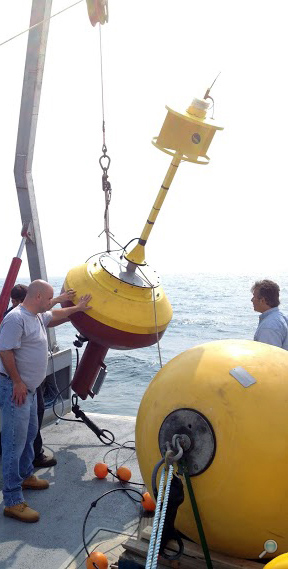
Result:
x=8 y=285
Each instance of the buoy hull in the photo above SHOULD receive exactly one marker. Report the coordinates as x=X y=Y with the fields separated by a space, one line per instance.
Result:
x=110 y=337
x=242 y=496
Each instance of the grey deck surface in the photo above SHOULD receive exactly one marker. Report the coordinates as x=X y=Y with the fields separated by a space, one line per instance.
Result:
x=56 y=539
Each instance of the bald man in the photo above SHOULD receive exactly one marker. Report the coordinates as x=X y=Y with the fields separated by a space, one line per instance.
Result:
x=23 y=365
x=42 y=459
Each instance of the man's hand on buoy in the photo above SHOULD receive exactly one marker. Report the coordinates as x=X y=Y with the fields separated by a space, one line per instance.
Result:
x=82 y=304
x=67 y=295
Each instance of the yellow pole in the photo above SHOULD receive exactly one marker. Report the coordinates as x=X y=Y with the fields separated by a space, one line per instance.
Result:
x=137 y=255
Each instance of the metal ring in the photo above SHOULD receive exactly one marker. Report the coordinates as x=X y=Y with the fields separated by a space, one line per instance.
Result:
x=104 y=168
x=111 y=441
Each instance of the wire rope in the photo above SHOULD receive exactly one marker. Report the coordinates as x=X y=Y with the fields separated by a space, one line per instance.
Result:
x=41 y=22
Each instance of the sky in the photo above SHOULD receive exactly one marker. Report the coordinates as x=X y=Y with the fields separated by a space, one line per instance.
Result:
x=229 y=216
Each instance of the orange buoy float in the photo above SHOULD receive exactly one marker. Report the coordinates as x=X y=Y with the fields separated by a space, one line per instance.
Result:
x=148 y=503
x=101 y=470
x=97 y=559
x=124 y=473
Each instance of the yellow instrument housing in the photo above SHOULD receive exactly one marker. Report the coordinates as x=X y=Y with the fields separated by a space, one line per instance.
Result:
x=186 y=135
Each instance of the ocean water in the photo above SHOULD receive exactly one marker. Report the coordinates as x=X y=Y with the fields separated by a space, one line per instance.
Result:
x=206 y=307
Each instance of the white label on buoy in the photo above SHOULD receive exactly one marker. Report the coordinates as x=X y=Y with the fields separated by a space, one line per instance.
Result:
x=242 y=376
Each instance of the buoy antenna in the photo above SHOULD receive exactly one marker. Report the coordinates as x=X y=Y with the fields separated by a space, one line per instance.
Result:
x=206 y=96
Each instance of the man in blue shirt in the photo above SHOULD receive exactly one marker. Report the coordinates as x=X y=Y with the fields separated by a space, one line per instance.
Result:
x=273 y=325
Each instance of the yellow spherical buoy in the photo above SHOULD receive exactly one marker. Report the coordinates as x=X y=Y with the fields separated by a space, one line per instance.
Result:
x=230 y=400
x=280 y=562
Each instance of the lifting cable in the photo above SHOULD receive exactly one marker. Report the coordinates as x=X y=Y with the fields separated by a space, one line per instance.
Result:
x=104 y=159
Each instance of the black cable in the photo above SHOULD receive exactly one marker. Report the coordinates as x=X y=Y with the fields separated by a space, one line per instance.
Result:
x=94 y=504
x=154 y=476
x=131 y=240
x=60 y=417
x=125 y=481
x=54 y=403
x=114 y=250
x=123 y=445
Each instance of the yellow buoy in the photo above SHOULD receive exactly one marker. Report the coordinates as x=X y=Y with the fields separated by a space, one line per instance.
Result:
x=281 y=562
x=230 y=398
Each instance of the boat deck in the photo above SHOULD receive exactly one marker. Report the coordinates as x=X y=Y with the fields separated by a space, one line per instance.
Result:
x=55 y=542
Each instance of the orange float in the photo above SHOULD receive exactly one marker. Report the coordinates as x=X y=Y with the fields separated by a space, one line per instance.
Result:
x=148 y=503
x=97 y=559
x=101 y=470
x=124 y=473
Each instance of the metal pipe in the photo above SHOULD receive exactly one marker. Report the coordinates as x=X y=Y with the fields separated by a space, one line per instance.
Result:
x=29 y=110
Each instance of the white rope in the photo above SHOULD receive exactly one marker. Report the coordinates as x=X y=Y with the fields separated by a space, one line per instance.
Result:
x=39 y=23
x=159 y=519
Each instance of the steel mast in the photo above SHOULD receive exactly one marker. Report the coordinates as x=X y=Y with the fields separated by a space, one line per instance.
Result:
x=28 y=119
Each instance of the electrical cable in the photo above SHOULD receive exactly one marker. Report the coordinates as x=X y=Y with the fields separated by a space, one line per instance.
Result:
x=55 y=412
x=94 y=504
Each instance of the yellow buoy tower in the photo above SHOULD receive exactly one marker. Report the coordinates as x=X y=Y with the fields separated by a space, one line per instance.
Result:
x=129 y=306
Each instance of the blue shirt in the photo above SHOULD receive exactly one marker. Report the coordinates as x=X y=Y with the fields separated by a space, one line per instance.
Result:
x=273 y=328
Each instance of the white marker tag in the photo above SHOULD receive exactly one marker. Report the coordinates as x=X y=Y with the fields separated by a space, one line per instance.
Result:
x=242 y=376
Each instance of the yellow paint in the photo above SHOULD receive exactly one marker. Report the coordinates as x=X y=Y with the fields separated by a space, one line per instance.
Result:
x=185 y=137
x=137 y=255
x=243 y=495
x=186 y=134
x=280 y=562
x=118 y=304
